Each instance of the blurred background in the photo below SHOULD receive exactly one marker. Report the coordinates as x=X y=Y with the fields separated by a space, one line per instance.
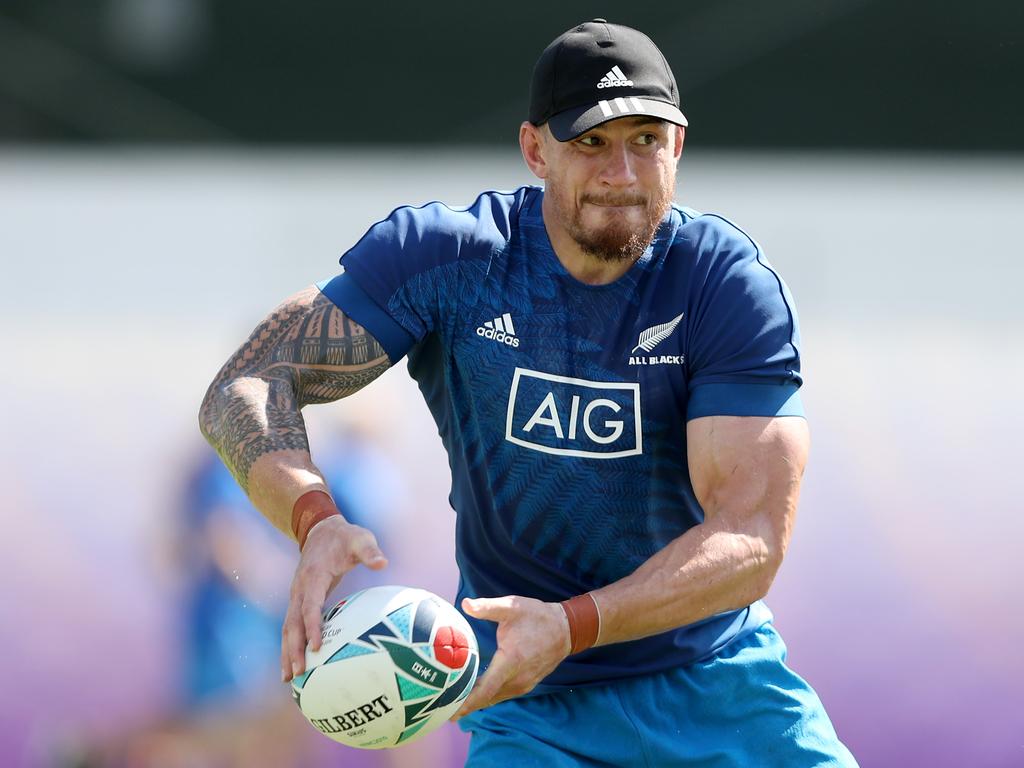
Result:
x=171 y=169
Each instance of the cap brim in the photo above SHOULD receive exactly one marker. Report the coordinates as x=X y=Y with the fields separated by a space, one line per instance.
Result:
x=572 y=122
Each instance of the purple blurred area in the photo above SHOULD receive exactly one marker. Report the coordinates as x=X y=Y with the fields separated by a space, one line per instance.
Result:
x=128 y=278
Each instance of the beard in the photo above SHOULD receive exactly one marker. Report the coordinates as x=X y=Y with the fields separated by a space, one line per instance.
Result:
x=622 y=238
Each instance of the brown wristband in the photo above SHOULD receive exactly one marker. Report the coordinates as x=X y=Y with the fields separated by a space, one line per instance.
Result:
x=310 y=508
x=584 y=622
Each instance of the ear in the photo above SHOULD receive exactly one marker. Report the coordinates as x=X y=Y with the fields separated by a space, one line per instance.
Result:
x=680 y=136
x=531 y=142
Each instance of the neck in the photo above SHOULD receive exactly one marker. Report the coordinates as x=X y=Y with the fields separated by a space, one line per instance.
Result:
x=583 y=266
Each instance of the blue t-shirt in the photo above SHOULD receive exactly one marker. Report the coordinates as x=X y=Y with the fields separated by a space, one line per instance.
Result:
x=563 y=406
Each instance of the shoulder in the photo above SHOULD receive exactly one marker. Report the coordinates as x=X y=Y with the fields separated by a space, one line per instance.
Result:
x=719 y=249
x=484 y=224
x=713 y=236
x=743 y=323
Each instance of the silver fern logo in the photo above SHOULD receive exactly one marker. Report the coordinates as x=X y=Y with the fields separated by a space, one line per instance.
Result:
x=656 y=334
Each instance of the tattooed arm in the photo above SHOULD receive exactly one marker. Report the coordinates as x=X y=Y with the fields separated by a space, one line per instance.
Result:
x=306 y=351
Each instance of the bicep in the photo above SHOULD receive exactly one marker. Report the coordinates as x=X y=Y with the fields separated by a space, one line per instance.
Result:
x=746 y=470
x=312 y=347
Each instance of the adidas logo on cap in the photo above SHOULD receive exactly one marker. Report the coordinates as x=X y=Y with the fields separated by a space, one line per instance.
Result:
x=500 y=329
x=614 y=79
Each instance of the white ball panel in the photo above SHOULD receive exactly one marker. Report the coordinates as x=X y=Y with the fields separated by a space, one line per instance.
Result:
x=356 y=700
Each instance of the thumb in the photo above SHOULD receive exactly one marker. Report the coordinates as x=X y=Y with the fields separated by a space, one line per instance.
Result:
x=491 y=609
x=371 y=556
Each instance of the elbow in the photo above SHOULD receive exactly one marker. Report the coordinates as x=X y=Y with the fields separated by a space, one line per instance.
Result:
x=759 y=556
x=207 y=414
x=763 y=573
x=766 y=538
x=204 y=424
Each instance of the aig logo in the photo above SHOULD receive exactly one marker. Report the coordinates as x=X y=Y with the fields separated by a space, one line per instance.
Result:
x=573 y=417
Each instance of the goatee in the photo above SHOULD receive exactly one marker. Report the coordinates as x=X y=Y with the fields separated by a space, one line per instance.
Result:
x=621 y=240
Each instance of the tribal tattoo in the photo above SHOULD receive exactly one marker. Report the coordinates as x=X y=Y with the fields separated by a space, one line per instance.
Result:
x=306 y=351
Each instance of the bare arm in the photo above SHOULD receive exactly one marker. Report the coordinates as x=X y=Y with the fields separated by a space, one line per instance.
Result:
x=306 y=351
x=746 y=474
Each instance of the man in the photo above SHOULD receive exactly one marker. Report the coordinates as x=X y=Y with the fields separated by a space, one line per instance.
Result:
x=615 y=381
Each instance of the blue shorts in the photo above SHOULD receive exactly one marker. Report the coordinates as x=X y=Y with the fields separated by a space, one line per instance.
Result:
x=743 y=707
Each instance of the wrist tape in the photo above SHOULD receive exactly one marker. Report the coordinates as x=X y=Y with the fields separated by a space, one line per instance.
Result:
x=310 y=508
x=584 y=622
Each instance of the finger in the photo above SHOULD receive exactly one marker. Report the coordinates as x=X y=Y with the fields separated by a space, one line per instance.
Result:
x=312 y=610
x=368 y=552
x=489 y=608
x=296 y=640
x=482 y=695
x=488 y=688
x=286 y=667
x=371 y=556
x=288 y=630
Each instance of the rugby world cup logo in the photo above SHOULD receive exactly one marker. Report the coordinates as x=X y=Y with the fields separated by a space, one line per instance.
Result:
x=567 y=416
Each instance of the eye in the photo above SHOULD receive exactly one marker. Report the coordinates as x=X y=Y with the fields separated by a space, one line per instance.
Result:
x=647 y=139
x=590 y=141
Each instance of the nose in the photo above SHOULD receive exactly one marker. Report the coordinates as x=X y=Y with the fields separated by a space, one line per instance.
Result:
x=618 y=170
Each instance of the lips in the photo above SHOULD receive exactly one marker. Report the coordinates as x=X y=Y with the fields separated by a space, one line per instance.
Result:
x=616 y=203
x=613 y=205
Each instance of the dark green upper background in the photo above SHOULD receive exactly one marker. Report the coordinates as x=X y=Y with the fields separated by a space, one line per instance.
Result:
x=752 y=73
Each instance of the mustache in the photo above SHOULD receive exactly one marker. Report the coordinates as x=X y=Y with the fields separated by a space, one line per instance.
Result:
x=614 y=199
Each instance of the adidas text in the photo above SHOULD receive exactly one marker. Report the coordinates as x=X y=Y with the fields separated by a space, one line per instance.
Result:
x=500 y=329
x=615 y=77
x=491 y=333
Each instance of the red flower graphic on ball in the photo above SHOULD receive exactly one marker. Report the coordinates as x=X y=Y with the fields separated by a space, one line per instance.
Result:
x=451 y=647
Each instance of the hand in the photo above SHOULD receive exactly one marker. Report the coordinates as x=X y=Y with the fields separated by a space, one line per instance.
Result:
x=333 y=548
x=533 y=638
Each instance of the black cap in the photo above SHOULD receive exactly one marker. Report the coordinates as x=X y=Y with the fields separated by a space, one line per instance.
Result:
x=597 y=72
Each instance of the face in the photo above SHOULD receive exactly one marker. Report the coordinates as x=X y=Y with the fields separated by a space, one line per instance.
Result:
x=609 y=188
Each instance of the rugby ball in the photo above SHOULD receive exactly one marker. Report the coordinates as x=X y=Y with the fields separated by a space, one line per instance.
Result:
x=395 y=663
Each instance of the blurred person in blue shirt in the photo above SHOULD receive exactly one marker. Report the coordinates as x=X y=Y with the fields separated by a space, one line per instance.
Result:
x=233 y=605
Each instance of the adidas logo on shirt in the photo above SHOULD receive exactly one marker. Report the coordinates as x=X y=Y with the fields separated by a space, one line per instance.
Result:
x=614 y=79
x=500 y=329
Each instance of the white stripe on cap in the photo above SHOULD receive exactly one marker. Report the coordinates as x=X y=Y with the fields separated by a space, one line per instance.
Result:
x=606 y=108
x=618 y=73
x=621 y=104
x=637 y=104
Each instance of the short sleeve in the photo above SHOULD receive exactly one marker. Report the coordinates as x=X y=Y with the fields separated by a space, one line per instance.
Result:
x=401 y=278
x=357 y=304
x=744 y=357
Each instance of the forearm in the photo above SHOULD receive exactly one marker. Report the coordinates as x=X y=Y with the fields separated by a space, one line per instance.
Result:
x=306 y=351
x=746 y=474
x=707 y=570
x=258 y=431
